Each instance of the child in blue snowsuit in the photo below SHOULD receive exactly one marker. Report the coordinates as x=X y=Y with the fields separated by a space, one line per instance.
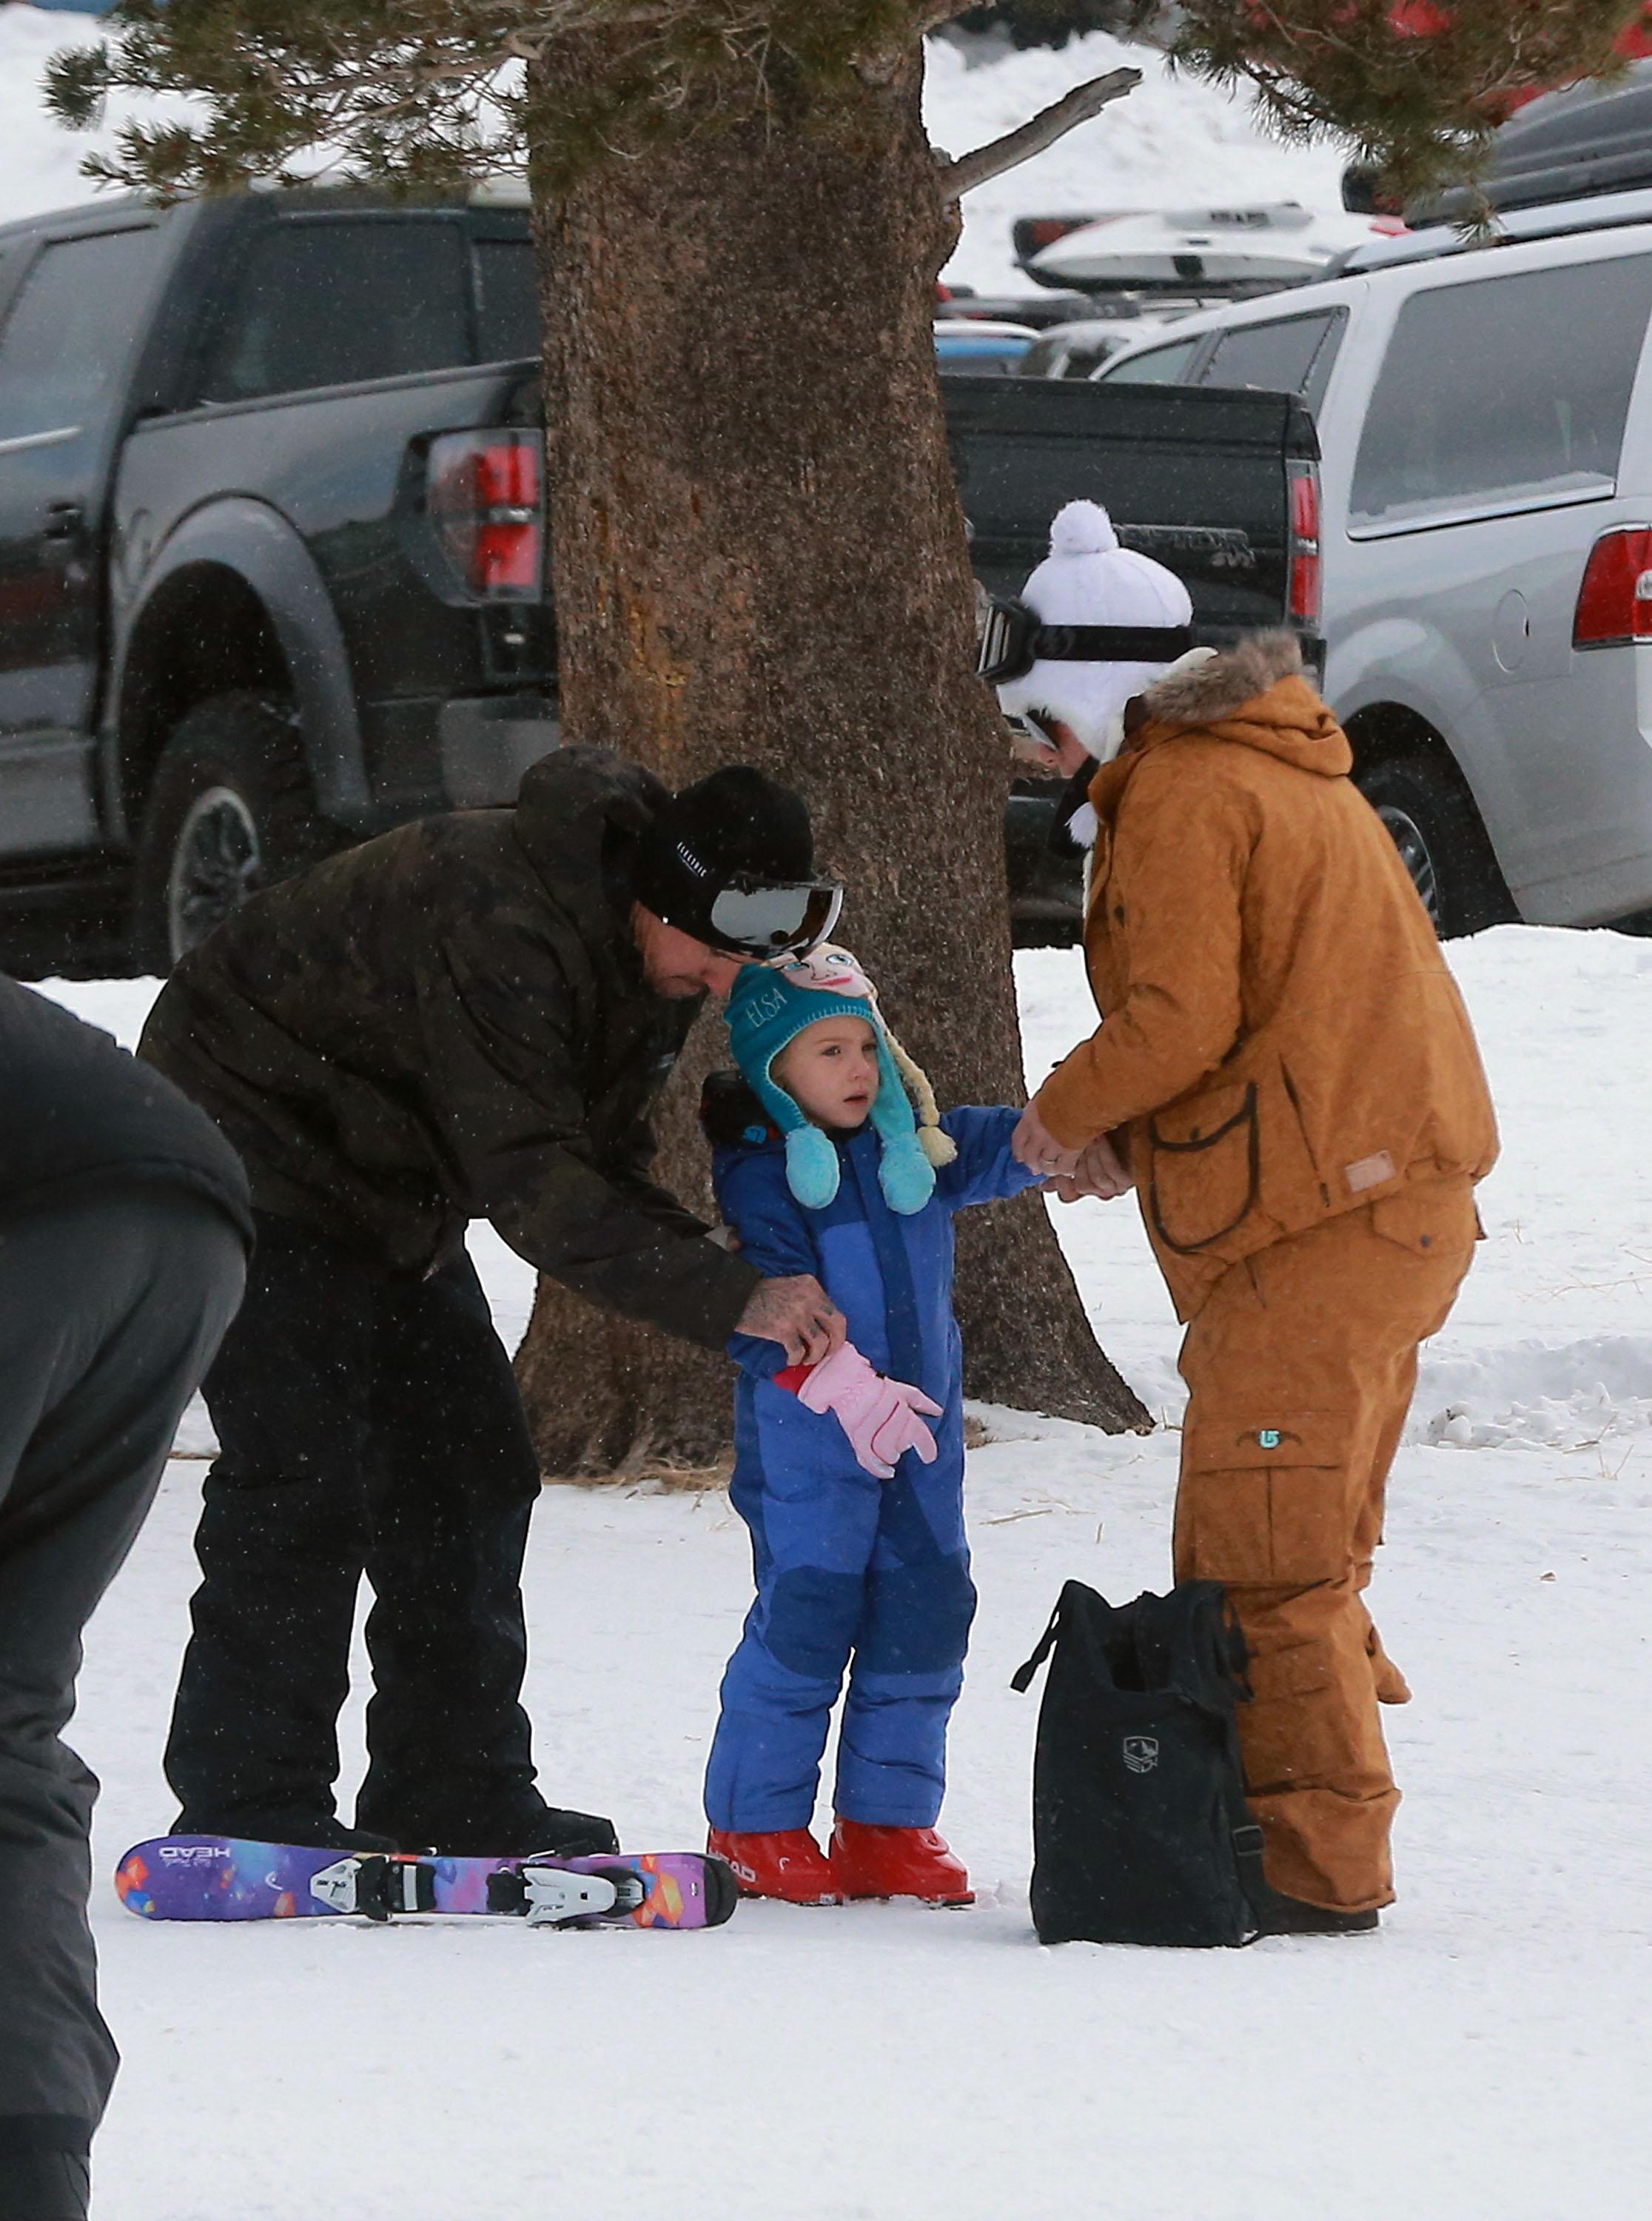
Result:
x=856 y=1508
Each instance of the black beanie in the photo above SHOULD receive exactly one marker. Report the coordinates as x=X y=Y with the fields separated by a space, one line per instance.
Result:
x=737 y=824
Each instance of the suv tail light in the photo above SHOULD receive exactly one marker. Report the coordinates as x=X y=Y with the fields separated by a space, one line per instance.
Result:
x=1304 y=551
x=1614 y=603
x=484 y=492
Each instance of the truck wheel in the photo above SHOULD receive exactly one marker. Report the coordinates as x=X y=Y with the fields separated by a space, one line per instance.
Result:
x=1431 y=817
x=229 y=810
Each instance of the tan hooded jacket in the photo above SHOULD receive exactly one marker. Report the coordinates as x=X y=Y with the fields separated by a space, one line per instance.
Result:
x=1281 y=1041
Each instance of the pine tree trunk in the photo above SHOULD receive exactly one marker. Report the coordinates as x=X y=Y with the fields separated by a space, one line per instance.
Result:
x=760 y=558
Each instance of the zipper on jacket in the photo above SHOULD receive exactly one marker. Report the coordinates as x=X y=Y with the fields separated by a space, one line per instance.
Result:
x=1302 y=1129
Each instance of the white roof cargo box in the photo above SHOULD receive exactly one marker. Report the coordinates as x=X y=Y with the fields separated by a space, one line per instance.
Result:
x=1277 y=243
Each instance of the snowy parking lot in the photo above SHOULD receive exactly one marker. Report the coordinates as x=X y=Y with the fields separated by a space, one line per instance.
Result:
x=1484 y=2058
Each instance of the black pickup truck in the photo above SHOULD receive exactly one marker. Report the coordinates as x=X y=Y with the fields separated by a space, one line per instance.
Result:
x=271 y=544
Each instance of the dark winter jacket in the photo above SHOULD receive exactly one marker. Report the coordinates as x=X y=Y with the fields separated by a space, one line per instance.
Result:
x=452 y=1023
x=77 y=1113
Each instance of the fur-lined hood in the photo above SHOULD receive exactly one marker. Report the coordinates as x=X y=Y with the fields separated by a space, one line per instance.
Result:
x=1254 y=694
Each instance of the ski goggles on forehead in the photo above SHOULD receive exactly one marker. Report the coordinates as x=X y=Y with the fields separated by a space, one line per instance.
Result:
x=1012 y=639
x=767 y=923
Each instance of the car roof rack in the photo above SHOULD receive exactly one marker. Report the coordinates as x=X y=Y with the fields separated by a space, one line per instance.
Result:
x=1509 y=228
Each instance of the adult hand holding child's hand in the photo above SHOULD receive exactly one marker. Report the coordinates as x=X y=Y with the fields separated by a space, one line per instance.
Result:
x=1101 y=1174
x=1036 y=1147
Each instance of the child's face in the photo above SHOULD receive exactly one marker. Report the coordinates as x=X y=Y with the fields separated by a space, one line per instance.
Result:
x=830 y=1071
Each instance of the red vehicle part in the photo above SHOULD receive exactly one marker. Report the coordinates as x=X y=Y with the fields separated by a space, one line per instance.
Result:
x=485 y=495
x=1614 y=603
x=1304 y=497
x=1427 y=19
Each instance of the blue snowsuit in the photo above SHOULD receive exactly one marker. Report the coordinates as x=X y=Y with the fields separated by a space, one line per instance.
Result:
x=846 y=1563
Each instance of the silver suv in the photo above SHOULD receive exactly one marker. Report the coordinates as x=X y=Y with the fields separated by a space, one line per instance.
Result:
x=1485 y=416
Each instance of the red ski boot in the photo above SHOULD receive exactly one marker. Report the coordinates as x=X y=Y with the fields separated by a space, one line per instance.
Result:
x=782 y=1862
x=868 y=1861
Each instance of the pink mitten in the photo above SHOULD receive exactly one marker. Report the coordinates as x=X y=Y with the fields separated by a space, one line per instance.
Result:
x=879 y=1416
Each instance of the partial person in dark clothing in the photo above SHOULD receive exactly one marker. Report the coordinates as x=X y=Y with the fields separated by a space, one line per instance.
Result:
x=469 y=1017
x=123 y=1230
x=404 y=1450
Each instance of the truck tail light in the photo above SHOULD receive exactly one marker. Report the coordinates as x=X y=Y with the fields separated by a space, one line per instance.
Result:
x=1305 y=543
x=1614 y=603
x=485 y=494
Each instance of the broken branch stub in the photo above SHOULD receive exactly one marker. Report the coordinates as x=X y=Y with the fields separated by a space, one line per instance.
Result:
x=1040 y=131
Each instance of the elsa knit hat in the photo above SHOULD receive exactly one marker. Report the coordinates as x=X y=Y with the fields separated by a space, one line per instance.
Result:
x=768 y=1008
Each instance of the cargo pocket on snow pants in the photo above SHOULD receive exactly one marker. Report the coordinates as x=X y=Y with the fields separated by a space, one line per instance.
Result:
x=1266 y=1499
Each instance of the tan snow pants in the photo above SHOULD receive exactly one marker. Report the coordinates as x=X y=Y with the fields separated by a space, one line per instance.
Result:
x=1301 y=1366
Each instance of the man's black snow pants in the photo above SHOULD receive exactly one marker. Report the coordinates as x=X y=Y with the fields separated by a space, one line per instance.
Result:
x=111 y=1304
x=368 y=1422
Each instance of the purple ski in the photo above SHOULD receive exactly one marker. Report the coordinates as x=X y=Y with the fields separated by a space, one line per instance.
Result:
x=222 y=1878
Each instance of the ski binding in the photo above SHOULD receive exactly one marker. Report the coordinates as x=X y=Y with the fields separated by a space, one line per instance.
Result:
x=379 y=1884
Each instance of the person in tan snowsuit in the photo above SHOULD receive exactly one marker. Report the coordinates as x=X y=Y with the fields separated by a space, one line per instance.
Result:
x=1285 y=1073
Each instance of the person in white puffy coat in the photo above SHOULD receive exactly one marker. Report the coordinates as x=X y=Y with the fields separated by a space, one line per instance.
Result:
x=1088 y=579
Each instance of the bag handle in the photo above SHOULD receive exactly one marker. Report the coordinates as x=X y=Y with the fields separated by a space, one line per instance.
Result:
x=1021 y=1679
x=1247 y=1842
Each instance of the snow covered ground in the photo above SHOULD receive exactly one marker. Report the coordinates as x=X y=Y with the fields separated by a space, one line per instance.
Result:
x=1173 y=143
x=1484 y=2058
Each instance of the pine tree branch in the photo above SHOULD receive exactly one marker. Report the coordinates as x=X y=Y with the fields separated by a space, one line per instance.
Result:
x=1041 y=130
x=933 y=13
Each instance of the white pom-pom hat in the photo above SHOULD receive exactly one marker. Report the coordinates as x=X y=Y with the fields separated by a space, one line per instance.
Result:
x=1088 y=579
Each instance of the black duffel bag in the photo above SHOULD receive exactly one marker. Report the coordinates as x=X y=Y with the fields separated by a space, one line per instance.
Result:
x=1140 y=1829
